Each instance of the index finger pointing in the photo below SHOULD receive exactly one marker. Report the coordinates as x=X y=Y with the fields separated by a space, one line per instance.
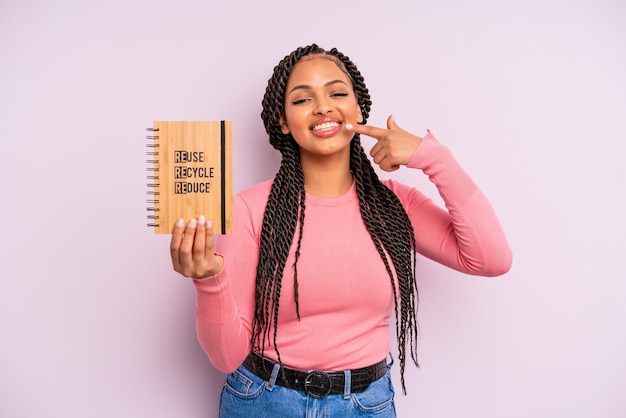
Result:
x=371 y=131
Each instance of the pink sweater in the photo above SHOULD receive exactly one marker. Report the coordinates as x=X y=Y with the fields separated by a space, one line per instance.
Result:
x=345 y=295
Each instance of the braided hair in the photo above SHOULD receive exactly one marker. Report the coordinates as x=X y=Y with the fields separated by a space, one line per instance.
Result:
x=382 y=212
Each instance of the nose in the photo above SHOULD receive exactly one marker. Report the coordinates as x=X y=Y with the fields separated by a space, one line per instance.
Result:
x=322 y=106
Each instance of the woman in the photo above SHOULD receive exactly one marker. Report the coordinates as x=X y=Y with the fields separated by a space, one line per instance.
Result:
x=295 y=305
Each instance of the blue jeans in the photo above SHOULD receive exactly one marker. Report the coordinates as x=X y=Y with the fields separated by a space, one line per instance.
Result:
x=247 y=395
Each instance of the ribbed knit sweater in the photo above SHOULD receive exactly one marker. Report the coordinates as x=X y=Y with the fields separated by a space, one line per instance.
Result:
x=345 y=295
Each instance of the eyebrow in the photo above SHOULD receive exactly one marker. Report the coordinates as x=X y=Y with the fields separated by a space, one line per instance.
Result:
x=307 y=87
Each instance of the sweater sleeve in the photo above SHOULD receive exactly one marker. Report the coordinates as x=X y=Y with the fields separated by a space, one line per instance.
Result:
x=225 y=302
x=467 y=236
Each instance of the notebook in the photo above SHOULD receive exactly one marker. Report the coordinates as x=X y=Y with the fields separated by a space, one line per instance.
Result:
x=190 y=174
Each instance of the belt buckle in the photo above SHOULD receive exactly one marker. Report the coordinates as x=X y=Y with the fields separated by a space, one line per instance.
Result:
x=317 y=384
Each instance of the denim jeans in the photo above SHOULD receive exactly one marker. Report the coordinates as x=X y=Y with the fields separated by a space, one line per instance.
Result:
x=247 y=395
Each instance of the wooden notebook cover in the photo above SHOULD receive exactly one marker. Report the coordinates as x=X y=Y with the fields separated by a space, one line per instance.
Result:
x=191 y=174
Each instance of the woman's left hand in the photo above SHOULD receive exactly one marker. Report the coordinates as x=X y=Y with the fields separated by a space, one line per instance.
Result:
x=394 y=146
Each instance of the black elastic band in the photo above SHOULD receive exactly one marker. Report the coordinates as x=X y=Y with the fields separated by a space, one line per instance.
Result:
x=223 y=164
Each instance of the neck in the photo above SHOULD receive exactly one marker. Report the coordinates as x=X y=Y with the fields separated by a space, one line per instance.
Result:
x=324 y=178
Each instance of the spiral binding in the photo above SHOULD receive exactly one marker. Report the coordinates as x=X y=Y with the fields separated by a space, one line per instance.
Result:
x=153 y=178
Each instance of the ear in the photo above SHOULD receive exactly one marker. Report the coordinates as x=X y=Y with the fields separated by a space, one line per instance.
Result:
x=360 y=111
x=283 y=125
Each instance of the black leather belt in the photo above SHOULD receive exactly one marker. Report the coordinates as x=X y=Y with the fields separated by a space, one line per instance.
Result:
x=316 y=383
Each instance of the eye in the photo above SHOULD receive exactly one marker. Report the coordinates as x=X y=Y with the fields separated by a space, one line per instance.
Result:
x=339 y=95
x=299 y=101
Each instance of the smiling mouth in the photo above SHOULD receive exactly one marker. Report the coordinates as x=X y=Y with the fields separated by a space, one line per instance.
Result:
x=325 y=126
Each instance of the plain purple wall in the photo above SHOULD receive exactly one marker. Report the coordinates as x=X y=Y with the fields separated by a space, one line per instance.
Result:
x=529 y=95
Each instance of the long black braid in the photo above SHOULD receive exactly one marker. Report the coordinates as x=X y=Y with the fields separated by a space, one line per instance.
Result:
x=382 y=212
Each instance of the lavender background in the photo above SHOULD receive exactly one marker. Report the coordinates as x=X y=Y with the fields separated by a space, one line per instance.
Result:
x=530 y=96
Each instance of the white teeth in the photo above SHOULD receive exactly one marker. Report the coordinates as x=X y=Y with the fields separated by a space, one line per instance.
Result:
x=324 y=126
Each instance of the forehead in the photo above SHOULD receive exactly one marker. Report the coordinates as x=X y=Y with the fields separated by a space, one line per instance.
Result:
x=317 y=70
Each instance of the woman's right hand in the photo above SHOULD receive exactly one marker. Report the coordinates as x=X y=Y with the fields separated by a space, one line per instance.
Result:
x=193 y=249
